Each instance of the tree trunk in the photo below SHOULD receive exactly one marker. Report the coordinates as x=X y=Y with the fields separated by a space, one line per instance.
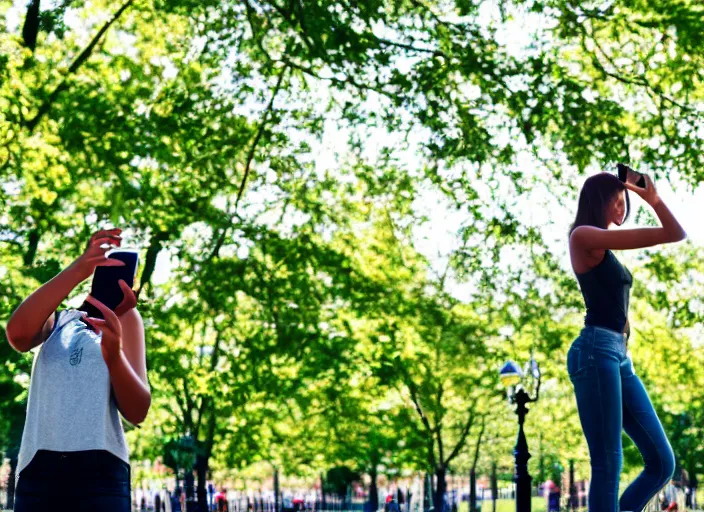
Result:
x=32 y=245
x=31 y=25
x=202 y=492
x=573 y=488
x=13 y=451
x=494 y=487
x=277 y=499
x=473 y=472
x=188 y=488
x=373 y=492
x=473 y=490
x=11 y=479
x=541 y=464
x=427 y=492
x=440 y=488
x=323 y=505
x=692 y=483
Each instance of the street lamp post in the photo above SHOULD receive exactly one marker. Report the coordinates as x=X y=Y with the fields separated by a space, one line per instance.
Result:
x=514 y=379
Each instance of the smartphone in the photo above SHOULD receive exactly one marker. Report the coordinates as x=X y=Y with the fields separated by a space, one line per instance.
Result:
x=636 y=177
x=105 y=286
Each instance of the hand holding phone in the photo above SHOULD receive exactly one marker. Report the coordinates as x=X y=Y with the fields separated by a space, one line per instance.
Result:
x=94 y=255
x=107 y=287
x=647 y=193
x=628 y=175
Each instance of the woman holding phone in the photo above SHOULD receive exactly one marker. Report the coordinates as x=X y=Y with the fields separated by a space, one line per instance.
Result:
x=73 y=453
x=610 y=396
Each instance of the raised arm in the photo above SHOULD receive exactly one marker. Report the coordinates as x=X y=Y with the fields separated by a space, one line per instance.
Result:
x=33 y=320
x=591 y=237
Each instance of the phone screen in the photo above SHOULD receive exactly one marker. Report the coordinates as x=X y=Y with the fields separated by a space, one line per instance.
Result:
x=626 y=174
x=105 y=286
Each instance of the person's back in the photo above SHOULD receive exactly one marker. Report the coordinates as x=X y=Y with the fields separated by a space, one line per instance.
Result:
x=606 y=291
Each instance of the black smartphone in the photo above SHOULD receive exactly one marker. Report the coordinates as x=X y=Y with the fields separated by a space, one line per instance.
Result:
x=623 y=171
x=105 y=286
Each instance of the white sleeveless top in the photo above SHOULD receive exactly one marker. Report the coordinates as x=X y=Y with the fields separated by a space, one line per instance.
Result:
x=70 y=405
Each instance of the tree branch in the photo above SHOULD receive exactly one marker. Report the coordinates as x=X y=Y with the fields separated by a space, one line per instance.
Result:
x=260 y=133
x=410 y=47
x=305 y=37
x=639 y=80
x=85 y=54
x=309 y=71
x=479 y=442
x=438 y=423
x=462 y=439
x=153 y=251
x=30 y=30
x=414 y=398
x=182 y=405
x=190 y=405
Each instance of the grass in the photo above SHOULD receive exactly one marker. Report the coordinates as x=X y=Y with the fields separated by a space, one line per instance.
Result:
x=538 y=505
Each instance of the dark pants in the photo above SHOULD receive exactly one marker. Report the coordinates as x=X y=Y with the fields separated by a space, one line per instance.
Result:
x=84 y=481
x=610 y=398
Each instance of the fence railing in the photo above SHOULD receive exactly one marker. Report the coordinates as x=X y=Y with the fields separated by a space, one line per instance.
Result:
x=671 y=494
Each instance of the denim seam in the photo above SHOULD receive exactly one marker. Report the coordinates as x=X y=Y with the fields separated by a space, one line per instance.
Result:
x=603 y=419
x=662 y=466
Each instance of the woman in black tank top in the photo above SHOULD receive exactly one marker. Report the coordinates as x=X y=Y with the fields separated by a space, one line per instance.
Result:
x=610 y=396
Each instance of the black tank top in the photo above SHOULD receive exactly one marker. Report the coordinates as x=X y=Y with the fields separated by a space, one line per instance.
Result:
x=606 y=290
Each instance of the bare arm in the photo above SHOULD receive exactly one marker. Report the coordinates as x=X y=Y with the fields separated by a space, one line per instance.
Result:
x=591 y=237
x=128 y=373
x=33 y=320
x=669 y=223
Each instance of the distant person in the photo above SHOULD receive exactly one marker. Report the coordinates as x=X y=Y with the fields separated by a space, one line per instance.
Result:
x=87 y=370
x=182 y=500
x=392 y=506
x=388 y=499
x=221 y=500
x=287 y=502
x=610 y=396
x=663 y=501
x=176 y=500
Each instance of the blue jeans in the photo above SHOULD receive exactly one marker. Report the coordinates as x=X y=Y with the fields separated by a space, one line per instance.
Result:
x=611 y=397
x=84 y=481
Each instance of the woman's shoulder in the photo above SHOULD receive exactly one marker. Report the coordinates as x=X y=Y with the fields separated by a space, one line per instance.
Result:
x=584 y=261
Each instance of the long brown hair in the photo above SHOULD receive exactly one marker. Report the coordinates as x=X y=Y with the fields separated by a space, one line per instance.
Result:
x=594 y=199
